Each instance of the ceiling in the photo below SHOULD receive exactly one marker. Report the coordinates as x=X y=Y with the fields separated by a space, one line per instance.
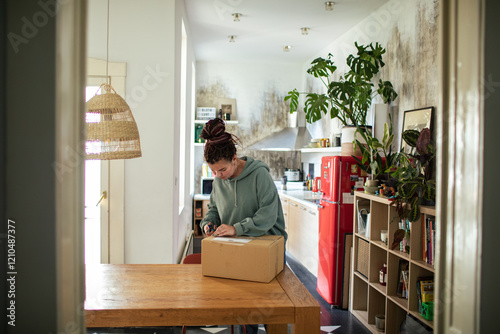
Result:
x=266 y=26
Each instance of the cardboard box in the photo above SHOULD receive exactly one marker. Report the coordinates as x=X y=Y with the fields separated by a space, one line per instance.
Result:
x=257 y=259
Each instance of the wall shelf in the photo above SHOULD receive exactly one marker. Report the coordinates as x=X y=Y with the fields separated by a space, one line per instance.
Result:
x=197 y=121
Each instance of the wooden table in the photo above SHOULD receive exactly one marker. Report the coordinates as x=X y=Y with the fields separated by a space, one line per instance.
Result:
x=128 y=295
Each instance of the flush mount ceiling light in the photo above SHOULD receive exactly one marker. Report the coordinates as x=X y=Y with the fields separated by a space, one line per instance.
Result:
x=287 y=48
x=329 y=5
x=305 y=30
x=236 y=17
x=112 y=132
x=232 y=38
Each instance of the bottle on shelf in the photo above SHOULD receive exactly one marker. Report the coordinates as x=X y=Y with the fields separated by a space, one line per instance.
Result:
x=382 y=279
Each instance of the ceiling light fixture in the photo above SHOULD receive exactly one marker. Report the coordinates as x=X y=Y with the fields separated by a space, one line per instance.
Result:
x=287 y=48
x=112 y=132
x=236 y=17
x=232 y=38
x=329 y=5
x=305 y=30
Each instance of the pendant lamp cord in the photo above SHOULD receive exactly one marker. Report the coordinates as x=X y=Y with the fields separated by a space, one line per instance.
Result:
x=107 y=46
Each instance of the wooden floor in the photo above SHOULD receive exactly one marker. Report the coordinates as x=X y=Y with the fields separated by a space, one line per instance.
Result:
x=329 y=317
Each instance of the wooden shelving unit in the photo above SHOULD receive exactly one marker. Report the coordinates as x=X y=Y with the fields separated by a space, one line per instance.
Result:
x=200 y=208
x=368 y=296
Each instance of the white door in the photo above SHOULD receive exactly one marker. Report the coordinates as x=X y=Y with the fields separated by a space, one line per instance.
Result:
x=96 y=200
x=104 y=181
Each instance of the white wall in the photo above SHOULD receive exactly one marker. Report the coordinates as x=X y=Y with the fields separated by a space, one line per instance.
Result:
x=146 y=35
x=249 y=84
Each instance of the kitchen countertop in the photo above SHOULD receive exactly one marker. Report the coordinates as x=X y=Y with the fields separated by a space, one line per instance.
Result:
x=304 y=197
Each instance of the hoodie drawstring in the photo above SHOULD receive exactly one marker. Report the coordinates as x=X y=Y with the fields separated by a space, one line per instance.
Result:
x=235 y=194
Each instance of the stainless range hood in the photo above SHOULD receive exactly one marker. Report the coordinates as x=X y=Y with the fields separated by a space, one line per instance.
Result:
x=288 y=139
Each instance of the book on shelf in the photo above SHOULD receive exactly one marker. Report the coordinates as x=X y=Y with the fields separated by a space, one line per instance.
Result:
x=428 y=238
x=404 y=245
x=403 y=274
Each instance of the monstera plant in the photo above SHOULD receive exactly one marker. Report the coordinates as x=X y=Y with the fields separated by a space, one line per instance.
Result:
x=349 y=98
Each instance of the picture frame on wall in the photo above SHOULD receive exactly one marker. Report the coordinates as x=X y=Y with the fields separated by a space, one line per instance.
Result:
x=228 y=108
x=416 y=119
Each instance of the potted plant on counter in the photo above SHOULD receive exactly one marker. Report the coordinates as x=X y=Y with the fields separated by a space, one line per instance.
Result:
x=349 y=98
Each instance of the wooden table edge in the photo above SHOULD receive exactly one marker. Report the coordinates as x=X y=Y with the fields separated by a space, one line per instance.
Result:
x=307 y=308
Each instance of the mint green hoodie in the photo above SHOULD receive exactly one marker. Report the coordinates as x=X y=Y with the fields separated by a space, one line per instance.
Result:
x=249 y=202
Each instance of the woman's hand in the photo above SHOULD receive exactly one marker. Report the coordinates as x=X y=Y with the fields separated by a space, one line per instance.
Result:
x=225 y=231
x=209 y=229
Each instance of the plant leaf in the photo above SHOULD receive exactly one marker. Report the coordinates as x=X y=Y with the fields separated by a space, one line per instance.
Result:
x=293 y=96
x=423 y=141
x=411 y=137
x=314 y=105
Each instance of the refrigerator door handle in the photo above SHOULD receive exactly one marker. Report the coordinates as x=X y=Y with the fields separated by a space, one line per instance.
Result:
x=331 y=202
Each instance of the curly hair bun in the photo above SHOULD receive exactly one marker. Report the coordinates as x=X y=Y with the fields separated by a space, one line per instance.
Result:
x=215 y=131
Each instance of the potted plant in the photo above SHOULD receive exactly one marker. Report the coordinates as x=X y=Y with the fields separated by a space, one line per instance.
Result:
x=349 y=98
x=413 y=170
x=376 y=156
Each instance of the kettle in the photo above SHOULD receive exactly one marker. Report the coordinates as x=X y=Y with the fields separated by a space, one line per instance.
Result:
x=316 y=186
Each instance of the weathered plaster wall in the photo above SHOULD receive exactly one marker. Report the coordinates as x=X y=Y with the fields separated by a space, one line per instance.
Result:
x=259 y=90
x=409 y=32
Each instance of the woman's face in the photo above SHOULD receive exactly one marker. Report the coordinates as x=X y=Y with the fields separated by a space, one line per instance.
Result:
x=224 y=169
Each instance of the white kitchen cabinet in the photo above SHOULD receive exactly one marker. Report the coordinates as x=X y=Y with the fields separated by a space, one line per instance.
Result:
x=303 y=233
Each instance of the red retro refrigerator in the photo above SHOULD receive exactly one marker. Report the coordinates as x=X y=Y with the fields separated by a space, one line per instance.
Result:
x=340 y=175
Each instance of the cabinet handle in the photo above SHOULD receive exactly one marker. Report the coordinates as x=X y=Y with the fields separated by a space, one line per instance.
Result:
x=292 y=203
x=312 y=212
x=302 y=208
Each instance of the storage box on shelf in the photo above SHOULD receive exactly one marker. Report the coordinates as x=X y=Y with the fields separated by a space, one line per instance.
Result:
x=368 y=296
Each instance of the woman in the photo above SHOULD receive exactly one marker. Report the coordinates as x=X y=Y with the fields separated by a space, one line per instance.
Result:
x=244 y=199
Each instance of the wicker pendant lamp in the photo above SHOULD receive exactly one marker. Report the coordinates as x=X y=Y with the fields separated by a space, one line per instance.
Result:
x=111 y=129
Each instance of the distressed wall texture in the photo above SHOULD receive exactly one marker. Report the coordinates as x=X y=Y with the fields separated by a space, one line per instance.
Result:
x=259 y=90
x=409 y=32
x=407 y=29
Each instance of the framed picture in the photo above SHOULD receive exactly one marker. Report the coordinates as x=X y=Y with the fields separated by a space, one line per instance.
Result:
x=228 y=107
x=416 y=119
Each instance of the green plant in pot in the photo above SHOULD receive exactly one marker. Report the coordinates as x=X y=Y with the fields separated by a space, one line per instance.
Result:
x=377 y=156
x=413 y=170
x=349 y=98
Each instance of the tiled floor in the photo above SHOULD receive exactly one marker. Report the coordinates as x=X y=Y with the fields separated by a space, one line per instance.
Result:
x=333 y=321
